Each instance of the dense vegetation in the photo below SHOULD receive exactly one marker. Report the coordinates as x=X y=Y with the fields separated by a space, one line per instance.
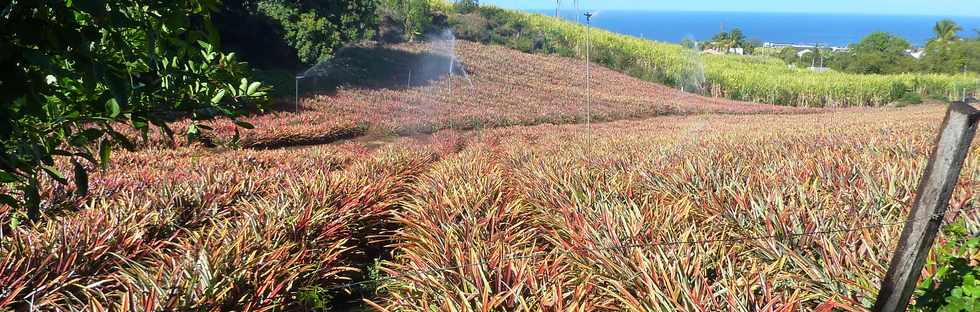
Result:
x=758 y=79
x=287 y=34
x=883 y=53
x=523 y=217
x=648 y=214
x=67 y=87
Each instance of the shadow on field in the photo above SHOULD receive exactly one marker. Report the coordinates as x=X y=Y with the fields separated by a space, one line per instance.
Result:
x=375 y=67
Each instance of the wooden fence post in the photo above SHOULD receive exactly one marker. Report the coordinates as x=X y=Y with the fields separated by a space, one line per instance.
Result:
x=931 y=200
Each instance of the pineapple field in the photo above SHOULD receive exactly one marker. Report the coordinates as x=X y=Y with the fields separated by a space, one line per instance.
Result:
x=493 y=196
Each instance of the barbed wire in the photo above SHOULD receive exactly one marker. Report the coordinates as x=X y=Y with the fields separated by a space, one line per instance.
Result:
x=651 y=244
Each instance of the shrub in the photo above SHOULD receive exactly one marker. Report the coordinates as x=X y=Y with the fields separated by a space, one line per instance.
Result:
x=466 y=6
x=415 y=16
x=910 y=99
x=954 y=285
x=283 y=34
x=68 y=86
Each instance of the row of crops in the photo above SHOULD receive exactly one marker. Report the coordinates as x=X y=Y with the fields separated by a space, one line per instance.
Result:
x=748 y=78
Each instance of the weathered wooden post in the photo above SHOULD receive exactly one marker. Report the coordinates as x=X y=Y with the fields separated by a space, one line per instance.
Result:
x=931 y=200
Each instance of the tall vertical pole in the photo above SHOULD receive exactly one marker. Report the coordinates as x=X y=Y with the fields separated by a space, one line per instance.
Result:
x=588 y=75
x=451 y=64
x=931 y=200
x=821 y=56
x=297 y=92
x=813 y=59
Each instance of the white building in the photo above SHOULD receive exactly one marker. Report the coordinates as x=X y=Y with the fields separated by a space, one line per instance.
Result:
x=916 y=53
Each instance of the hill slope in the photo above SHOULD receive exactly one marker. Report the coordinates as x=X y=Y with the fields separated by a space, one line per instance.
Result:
x=508 y=87
x=765 y=80
x=404 y=89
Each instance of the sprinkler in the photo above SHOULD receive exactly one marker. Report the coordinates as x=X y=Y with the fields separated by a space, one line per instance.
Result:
x=298 y=77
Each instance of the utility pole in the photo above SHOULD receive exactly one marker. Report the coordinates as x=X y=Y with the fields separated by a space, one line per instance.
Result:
x=931 y=201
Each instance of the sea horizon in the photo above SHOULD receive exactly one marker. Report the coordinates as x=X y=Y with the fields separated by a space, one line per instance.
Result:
x=827 y=29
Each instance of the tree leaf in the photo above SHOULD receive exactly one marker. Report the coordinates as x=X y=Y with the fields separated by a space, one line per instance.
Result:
x=9 y=200
x=243 y=87
x=122 y=140
x=112 y=107
x=54 y=173
x=81 y=180
x=105 y=151
x=217 y=97
x=120 y=87
x=94 y=7
x=244 y=124
x=32 y=200
x=85 y=137
x=192 y=133
x=252 y=88
x=6 y=177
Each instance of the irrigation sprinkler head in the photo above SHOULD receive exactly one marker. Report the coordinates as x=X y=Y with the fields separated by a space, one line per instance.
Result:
x=588 y=16
x=300 y=77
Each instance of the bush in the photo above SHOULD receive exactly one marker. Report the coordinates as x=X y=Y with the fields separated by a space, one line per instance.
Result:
x=415 y=16
x=472 y=27
x=955 y=285
x=466 y=6
x=281 y=34
x=910 y=99
x=313 y=37
x=68 y=86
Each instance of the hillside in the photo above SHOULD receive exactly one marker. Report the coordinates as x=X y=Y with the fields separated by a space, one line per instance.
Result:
x=527 y=208
x=757 y=79
x=404 y=89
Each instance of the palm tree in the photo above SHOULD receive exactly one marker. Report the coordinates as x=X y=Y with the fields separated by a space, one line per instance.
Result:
x=736 y=38
x=726 y=41
x=721 y=42
x=945 y=31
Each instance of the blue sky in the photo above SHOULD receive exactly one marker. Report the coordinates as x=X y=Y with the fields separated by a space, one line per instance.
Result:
x=897 y=7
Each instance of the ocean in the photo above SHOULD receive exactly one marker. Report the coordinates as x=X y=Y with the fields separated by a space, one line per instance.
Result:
x=837 y=30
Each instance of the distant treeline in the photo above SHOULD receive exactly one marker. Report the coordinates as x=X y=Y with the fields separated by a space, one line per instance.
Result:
x=884 y=53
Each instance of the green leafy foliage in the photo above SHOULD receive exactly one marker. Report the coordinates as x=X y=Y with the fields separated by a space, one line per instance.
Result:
x=413 y=16
x=945 y=53
x=955 y=57
x=955 y=285
x=466 y=6
x=97 y=65
x=878 y=53
x=315 y=30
